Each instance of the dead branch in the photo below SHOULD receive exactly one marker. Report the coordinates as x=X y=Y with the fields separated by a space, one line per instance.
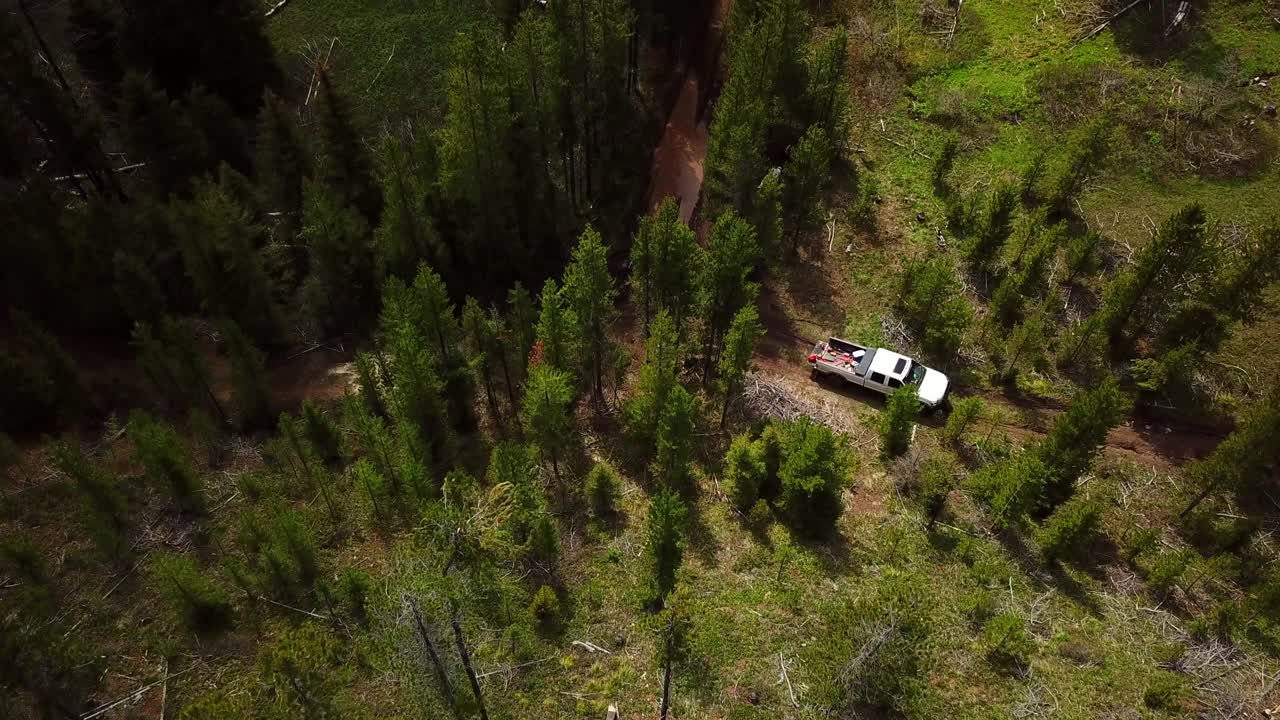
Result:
x=275 y=8
x=782 y=677
x=1103 y=26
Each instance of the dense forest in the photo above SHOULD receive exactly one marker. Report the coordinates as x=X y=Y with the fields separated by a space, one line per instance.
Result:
x=449 y=359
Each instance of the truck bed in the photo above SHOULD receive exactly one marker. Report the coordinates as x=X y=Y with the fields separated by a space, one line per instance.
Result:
x=846 y=358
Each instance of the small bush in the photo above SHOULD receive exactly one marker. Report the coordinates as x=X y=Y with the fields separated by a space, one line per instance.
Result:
x=1069 y=529
x=1166 y=691
x=24 y=557
x=201 y=604
x=980 y=606
x=1140 y=541
x=321 y=432
x=544 y=540
x=158 y=448
x=355 y=585
x=602 y=489
x=744 y=470
x=937 y=478
x=254 y=485
x=1166 y=570
x=812 y=474
x=1011 y=488
x=898 y=419
x=760 y=514
x=886 y=634
x=1007 y=640
x=963 y=413
x=545 y=608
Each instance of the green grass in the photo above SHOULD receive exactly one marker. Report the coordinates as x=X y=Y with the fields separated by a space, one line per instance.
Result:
x=389 y=58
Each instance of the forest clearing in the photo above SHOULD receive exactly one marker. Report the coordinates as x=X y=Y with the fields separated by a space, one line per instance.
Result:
x=434 y=359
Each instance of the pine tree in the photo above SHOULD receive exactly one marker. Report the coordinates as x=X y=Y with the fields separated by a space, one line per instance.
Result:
x=140 y=294
x=523 y=321
x=160 y=132
x=482 y=340
x=937 y=480
x=658 y=377
x=675 y=439
x=218 y=240
x=345 y=167
x=295 y=432
x=173 y=363
x=424 y=310
x=963 y=413
x=548 y=401
x=106 y=509
x=475 y=165
x=557 y=329
x=1086 y=151
x=665 y=540
x=942 y=165
x=341 y=289
x=1012 y=488
x=301 y=673
x=803 y=179
x=932 y=304
x=249 y=386
x=95 y=44
x=1025 y=343
x=827 y=91
x=735 y=360
x=601 y=488
x=417 y=397
x=1242 y=458
x=321 y=432
x=167 y=463
x=408 y=234
x=1077 y=436
x=52 y=367
x=812 y=471
x=731 y=255
x=898 y=420
x=766 y=215
x=370 y=385
x=1140 y=296
x=202 y=605
x=736 y=147
x=996 y=227
x=282 y=162
x=590 y=293
x=664 y=260
x=1069 y=529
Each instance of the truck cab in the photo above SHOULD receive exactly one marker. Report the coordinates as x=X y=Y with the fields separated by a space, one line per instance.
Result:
x=878 y=369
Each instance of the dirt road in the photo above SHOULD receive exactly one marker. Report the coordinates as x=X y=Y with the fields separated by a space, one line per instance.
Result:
x=682 y=151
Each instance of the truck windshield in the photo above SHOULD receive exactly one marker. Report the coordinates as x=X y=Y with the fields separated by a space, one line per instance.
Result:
x=916 y=374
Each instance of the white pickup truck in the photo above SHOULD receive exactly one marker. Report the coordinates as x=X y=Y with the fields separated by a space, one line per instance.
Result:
x=878 y=369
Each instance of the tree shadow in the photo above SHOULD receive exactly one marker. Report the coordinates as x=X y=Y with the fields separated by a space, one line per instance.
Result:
x=1054 y=576
x=1141 y=33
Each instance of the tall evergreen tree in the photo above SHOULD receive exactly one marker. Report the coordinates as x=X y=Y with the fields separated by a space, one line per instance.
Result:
x=345 y=165
x=932 y=304
x=665 y=541
x=675 y=438
x=557 y=329
x=827 y=91
x=664 y=257
x=218 y=240
x=731 y=255
x=341 y=290
x=1140 y=297
x=407 y=235
x=1243 y=457
x=803 y=178
x=589 y=289
x=995 y=228
x=523 y=321
x=172 y=361
x=658 y=377
x=735 y=360
x=1076 y=437
x=249 y=387
x=767 y=215
x=282 y=162
x=482 y=341
x=548 y=401
x=166 y=461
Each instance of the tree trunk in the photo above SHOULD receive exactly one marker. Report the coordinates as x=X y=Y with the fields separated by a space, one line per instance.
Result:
x=1199 y=498
x=466 y=664
x=728 y=397
x=441 y=676
x=666 y=681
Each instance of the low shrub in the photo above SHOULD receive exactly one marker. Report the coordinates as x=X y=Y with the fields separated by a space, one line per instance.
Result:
x=1069 y=529
x=199 y=602
x=744 y=470
x=545 y=608
x=1166 y=691
x=1007 y=640
x=601 y=487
